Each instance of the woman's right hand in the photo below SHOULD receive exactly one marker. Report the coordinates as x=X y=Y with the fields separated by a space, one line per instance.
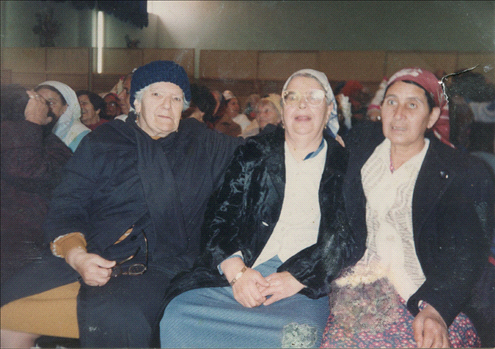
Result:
x=36 y=110
x=430 y=330
x=94 y=270
x=247 y=289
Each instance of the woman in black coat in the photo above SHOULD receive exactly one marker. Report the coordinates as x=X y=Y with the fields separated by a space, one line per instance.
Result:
x=122 y=223
x=427 y=210
x=279 y=236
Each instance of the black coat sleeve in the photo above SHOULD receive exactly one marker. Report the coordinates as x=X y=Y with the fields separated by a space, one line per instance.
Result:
x=221 y=226
x=71 y=199
x=455 y=242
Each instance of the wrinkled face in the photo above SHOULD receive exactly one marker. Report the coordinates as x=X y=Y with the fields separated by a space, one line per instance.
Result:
x=112 y=108
x=125 y=96
x=233 y=107
x=303 y=118
x=406 y=115
x=266 y=113
x=89 y=115
x=160 y=109
x=54 y=102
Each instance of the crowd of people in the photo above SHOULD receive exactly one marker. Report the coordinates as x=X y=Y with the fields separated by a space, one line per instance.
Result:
x=165 y=214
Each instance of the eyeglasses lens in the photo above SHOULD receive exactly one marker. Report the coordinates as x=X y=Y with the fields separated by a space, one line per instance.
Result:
x=137 y=269
x=312 y=97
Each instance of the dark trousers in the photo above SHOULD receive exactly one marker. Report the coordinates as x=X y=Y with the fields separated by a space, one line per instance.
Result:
x=125 y=312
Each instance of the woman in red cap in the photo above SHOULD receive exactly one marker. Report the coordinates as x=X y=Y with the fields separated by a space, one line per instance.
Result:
x=427 y=212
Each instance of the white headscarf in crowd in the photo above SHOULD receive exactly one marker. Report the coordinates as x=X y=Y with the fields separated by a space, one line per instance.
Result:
x=333 y=120
x=69 y=127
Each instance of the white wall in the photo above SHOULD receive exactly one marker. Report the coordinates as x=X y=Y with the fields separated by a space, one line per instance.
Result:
x=274 y=25
x=327 y=25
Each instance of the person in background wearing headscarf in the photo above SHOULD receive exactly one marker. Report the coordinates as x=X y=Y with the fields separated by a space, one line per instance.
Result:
x=223 y=119
x=66 y=112
x=426 y=211
x=124 y=220
x=124 y=95
x=232 y=109
x=120 y=93
x=278 y=236
x=32 y=160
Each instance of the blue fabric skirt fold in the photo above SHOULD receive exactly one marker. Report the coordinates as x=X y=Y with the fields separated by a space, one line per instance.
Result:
x=212 y=318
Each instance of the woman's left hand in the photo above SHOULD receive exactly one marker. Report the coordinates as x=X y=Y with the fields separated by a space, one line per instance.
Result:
x=282 y=285
x=430 y=330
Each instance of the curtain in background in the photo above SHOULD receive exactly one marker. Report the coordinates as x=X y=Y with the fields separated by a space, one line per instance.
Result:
x=132 y=11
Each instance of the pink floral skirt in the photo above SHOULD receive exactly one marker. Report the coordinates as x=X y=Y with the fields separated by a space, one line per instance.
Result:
x=398 y=334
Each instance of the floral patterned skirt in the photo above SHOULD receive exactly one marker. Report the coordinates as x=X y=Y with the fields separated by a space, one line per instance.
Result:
x=398 y=334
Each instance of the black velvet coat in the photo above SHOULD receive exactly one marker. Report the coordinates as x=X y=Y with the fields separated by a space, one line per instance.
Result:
x=452 y=208
x=245 y=210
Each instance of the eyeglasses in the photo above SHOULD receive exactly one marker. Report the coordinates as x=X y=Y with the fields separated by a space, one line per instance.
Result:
x=112 y=104
x=133 y=269
x=312 y=97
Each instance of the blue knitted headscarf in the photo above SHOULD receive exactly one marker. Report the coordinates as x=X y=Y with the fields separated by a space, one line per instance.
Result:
x=160 y=71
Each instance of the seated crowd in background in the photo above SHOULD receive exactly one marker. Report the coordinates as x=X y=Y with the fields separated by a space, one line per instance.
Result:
x=473 y=112
x=112 y=105
x=268 y=110
x=41 y=129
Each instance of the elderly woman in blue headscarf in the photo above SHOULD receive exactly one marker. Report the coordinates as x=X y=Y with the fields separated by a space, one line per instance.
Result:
x=66 y=112
x=125 y=219
x=278 y=235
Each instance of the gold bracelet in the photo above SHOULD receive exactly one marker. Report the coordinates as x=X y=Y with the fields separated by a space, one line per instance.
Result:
x=238 y=276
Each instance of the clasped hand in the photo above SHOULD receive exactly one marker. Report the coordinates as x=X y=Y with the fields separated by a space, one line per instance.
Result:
x=252 y=289
x=94 y=270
